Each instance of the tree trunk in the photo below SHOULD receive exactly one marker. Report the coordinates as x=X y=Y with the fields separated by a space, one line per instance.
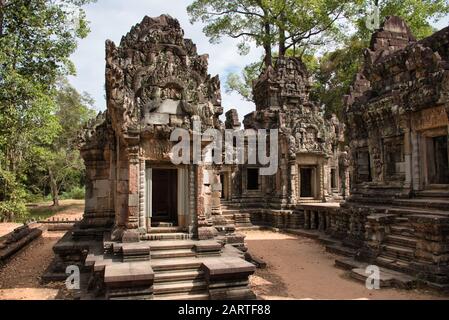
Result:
x=54 y=189
x=282 y=49
x=267 y=46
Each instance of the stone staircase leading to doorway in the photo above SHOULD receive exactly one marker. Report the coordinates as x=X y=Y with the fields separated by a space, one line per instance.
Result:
x=169 y=269
x=165 y=231
x=176 y=275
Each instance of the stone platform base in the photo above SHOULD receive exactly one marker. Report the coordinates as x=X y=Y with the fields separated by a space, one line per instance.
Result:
x=168 y=270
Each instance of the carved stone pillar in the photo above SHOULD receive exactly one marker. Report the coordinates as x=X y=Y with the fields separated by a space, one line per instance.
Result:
x=133 y=191
x=321 y=220
x=133 y=205
x=313 y=222
x=415 y=161
x=306 y=219
x=293 y=179
x=142 y=221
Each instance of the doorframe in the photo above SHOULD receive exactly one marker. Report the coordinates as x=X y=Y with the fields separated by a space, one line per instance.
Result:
x=313 y=181
x=424 y=139
x=183 y=196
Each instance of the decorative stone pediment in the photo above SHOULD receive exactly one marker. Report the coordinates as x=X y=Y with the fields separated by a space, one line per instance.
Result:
x=155 y=77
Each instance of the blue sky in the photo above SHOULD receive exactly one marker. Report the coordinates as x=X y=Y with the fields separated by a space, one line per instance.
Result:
x=111 y=19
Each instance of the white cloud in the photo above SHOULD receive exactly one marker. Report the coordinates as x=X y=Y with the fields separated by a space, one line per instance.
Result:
x=112 y=19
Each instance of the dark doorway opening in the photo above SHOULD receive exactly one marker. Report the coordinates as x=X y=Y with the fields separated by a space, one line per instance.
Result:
x=252 y=179
x=306 y=182
x=333 y=178
x=165 y=195
x=440 y=174
x=222 y=182
x=363 y=173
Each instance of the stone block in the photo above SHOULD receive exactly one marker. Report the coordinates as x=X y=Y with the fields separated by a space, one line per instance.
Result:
x=170 y=106
x=176 y=121
x=158 y=118
x=207 y=246
x=133 y=200
x=129 y=272
x=227 y=268
x=130 y=236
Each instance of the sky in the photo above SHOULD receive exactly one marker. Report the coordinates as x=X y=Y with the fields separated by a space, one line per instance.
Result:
x=111 y=19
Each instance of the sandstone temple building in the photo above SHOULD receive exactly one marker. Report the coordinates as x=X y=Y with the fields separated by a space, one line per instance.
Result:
x=373 y=186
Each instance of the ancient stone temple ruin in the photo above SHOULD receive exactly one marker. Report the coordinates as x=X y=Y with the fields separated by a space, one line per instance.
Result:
x=311 y=149
x=374 y=189
x=157 y=225
x=397 y=124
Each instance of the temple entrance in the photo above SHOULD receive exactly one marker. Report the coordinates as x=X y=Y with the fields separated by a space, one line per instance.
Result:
x=164 y=195
x=252 y=179
x=223 y=189
x=438 y=165
x=306 y=182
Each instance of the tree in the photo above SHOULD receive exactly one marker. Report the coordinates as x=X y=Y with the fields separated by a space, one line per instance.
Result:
x=287 y=23
x=335 y=65
x=37 y=38
x=59 y=164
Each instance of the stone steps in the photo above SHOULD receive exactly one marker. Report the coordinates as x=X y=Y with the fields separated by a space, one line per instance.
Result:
x=167 y=236
x=161 y=224
x=200 y=295
x=175 y=264
x=417 y=210
x=393 y=264
x=433 y=193
x=181 y=275
x=396 y=252
x=427 y=202
x=171 y=245
x=166 y=230
x=188 y=286
x=172 y=253
x=388 y=278
x=341 y=250
x=402 y=230
x=404 y=241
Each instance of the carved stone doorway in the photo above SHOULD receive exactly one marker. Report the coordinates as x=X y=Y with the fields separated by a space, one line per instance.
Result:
x=306 y=179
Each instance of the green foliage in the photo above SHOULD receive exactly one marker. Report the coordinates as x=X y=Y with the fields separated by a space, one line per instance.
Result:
x=76 y=193
x=12 y=211
x=307 y=27
x=287 y=23
x=37 y=38
x=12 y=197
x=243 y=85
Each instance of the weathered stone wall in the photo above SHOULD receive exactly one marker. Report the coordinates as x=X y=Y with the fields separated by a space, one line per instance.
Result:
x=306 y=137
x=401 y=90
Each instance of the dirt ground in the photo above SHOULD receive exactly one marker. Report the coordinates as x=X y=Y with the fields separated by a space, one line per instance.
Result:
x=20 y=277
x=300 y=268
